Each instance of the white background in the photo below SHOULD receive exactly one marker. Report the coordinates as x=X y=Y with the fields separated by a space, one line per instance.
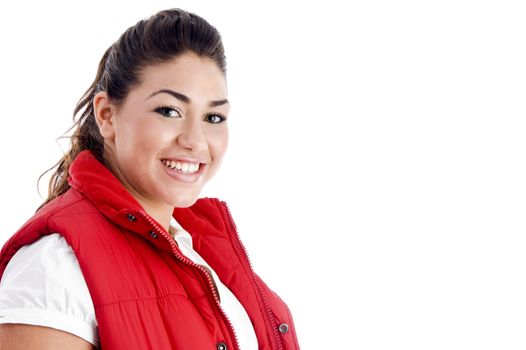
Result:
x=376 y=167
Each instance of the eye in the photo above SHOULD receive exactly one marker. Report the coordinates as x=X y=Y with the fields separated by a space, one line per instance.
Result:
x=215 y=118
x=168 y=112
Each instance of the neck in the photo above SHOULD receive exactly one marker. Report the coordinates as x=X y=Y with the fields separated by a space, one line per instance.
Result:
x=160 y=213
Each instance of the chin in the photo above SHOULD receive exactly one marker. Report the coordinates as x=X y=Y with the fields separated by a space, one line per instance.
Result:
x=184 y=202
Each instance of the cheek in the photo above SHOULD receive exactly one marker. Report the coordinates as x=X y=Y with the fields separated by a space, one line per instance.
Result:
x=142 y=136
x=218 y=143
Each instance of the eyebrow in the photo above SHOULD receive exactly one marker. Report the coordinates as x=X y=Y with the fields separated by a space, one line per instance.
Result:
x=186 y=99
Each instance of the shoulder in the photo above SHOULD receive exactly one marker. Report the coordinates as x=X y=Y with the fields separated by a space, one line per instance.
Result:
x=47 y=254
x=72 y=202
x=43 y=285
x=49 y=262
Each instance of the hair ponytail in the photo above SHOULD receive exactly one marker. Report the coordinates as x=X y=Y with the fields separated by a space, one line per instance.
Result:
x=85 y=136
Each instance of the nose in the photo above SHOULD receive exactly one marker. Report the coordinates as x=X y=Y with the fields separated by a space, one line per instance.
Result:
x=192 y=135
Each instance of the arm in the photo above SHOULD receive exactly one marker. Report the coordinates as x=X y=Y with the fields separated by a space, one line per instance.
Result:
x=28 y=337
x=50 y=276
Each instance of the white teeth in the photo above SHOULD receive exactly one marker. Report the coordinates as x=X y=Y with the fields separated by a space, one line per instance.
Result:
x=187 y=168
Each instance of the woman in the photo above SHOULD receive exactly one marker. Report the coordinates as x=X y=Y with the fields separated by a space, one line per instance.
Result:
x=123 y=254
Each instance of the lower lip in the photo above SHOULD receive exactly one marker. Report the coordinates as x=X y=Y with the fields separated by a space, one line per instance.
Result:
x=187 y=178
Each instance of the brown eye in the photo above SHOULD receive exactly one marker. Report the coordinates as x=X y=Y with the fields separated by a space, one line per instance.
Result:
x=168 y=112
x=215 y=118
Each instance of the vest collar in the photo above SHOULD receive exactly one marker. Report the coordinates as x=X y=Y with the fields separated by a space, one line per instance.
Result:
x=98 y=184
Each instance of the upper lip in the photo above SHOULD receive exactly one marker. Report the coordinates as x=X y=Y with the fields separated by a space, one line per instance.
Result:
x=184 y=159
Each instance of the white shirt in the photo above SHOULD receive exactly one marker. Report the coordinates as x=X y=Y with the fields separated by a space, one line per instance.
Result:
x=43 y=285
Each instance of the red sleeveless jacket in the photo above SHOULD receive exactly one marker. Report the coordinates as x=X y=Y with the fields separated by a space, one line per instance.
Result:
x=146 y=294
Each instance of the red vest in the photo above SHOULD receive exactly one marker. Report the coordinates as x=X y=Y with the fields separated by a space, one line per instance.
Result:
x=146 y=294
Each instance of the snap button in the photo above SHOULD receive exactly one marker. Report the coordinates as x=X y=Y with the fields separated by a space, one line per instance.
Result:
x=153 y=234
x=221 y=346
x=131 y=217
x=283 y=328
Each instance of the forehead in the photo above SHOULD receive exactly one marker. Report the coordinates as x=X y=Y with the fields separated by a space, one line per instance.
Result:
x=197 y=77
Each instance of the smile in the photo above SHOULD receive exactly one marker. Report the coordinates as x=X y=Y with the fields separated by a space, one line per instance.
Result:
x=182 y=167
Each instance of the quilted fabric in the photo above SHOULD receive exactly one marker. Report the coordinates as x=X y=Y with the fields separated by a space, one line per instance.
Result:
x=146 y=294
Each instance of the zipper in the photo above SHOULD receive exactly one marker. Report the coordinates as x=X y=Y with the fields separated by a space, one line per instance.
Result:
x=270 y=320
x=184 y=259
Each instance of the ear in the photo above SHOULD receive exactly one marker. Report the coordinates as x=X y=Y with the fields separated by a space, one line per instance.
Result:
x=104 y=115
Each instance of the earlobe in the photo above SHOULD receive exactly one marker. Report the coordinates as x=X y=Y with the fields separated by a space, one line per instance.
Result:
x=103 y=111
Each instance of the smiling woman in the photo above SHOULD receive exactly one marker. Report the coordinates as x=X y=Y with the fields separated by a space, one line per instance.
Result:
x=180 y=126
x=123 y=254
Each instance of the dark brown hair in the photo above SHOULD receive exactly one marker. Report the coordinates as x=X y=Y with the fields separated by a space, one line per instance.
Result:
x=163 y=36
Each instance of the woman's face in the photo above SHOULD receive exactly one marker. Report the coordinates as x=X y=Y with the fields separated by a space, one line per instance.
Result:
x=171 y=122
